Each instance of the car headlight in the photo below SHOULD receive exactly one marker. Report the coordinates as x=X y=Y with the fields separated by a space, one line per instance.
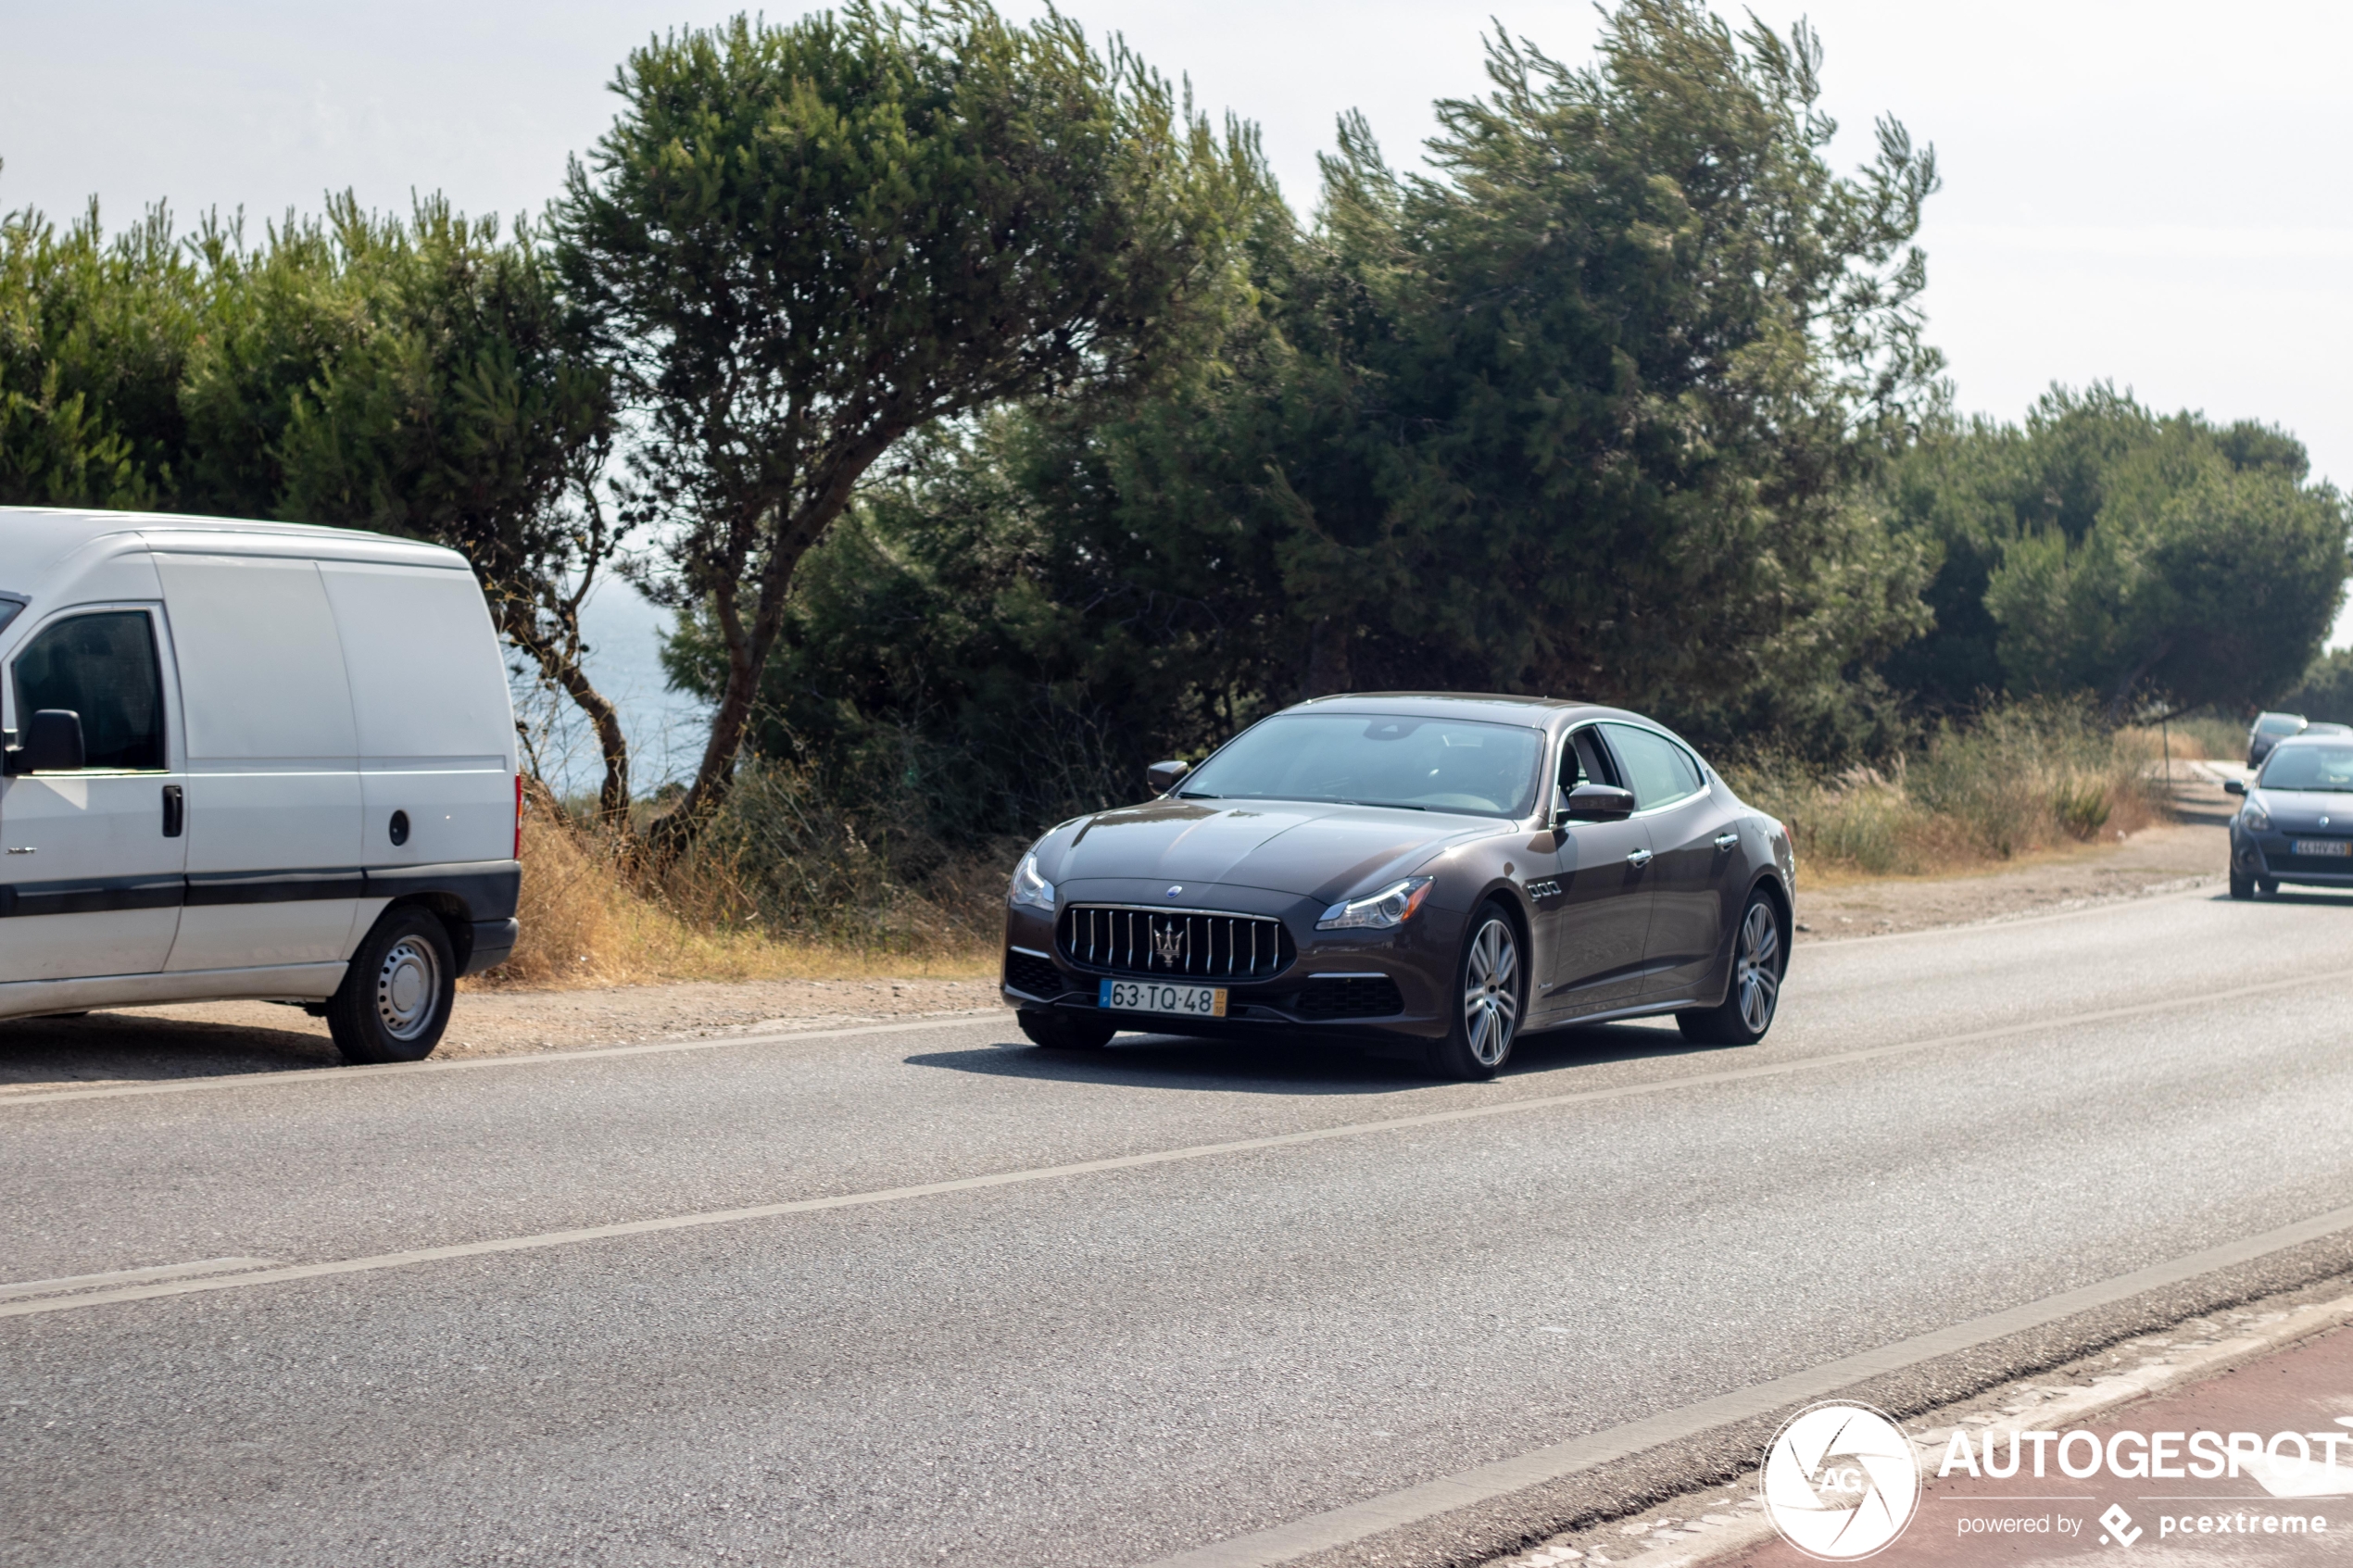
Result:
x=2254 y=818
x=1393 y=904
x=1029 y=887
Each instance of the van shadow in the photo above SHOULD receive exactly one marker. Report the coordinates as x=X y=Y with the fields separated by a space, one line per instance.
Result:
x=1295 y=1063
x=2310 y=898
x=128 y=1047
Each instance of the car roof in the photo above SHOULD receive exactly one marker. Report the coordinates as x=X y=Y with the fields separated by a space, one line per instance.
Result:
x=1494 y=708
x=2323 y=737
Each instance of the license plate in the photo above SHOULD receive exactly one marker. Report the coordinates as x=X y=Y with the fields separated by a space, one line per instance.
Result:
x=1146 y=996
x=2324 y=846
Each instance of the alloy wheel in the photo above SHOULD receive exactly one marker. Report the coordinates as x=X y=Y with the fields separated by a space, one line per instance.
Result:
x=1758 y=972
x=1491 y=990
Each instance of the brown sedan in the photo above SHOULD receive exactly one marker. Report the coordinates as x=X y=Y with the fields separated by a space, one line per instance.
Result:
x=1447 y=870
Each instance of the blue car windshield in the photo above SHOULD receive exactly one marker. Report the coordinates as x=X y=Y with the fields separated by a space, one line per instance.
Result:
x=1377 y=760
x=2326 y=768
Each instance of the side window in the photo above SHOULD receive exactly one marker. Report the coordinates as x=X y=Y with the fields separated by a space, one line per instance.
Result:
x=102 y=666
x=1584 y=761
x=1657 y=771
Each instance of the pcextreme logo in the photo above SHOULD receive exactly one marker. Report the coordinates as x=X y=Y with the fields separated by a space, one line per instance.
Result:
x=1841 y=1482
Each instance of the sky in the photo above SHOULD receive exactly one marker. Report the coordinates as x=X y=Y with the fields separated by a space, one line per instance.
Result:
x=2150 y=193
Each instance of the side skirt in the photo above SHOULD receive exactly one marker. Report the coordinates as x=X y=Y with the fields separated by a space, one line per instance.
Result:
x=303 y=982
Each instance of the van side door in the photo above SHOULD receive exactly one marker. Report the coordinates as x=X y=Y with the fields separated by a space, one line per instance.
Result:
x=91 y=884
x=273 y=782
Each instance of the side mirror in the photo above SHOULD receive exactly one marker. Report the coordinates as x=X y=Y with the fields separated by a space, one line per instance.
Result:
x=2234 y=786
x=1163 y=776
x=1596 y=803
x=52 y=744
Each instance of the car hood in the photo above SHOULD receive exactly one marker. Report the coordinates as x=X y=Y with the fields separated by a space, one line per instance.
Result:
x=1283 y=847
x=2302 y=811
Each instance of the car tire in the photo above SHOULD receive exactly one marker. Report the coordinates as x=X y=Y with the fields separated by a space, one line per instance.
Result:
x=395 y=999
x=1065 y=1032
x=1490 y=992
x=1753 y=992
x=2242 y=885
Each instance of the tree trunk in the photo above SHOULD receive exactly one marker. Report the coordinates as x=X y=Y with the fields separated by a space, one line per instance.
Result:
x=748 y=647
x=558 y=663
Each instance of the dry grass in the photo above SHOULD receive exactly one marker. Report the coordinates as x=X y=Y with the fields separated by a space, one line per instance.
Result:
x=2195 y=740
x=2026 y=779
x=589 y=920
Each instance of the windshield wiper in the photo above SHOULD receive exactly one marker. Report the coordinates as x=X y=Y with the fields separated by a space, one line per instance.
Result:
x=1197 y=794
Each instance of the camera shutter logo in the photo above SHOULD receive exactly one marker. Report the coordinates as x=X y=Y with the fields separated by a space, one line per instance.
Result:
x=1841 y=1482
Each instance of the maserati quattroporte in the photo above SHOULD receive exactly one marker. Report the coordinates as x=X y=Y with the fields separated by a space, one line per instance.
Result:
x=1446 y=871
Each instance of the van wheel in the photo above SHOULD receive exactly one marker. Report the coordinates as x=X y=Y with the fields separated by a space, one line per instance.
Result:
x=394 y=998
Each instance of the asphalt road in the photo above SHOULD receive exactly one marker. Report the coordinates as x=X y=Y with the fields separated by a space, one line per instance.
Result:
x=1109 y=1364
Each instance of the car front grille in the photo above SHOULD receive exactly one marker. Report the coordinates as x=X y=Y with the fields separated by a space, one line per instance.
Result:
x=1198 y=943
x=1350 y=996
x=1034 y=976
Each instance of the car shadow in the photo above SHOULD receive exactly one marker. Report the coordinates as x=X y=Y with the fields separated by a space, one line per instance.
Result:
x=2310 y=898
x=1293 y=1064
x=127 y=1047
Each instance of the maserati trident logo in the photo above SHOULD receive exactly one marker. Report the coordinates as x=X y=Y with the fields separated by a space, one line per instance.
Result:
x=1168 y=941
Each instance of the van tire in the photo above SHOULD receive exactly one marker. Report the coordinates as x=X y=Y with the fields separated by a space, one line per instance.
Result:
x=395 y=999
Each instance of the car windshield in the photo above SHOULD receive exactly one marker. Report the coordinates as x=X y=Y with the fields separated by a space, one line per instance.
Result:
x=2276 y=724
x=2310 y=767
x=1377 y=760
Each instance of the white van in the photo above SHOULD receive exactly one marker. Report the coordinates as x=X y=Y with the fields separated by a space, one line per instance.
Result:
x=250 y=759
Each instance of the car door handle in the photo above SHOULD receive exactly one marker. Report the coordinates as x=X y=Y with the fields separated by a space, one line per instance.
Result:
x=175 y=811
x=1726 y=840
x=1638 y=859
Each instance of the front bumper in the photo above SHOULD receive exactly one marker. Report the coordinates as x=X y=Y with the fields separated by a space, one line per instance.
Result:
x=2269 y=856
x=1402 y=975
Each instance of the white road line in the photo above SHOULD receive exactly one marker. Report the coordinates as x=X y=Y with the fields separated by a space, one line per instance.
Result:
x=470 y=1063
x=1121 y=1162
x=130 y=1276
x=1322 y=1532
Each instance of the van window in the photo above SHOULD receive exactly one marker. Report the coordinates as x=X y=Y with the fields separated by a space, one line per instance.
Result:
x=1659 y=771
x=103 y=667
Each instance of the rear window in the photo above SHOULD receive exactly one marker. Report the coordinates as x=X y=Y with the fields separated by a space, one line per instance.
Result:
x=2277 y=724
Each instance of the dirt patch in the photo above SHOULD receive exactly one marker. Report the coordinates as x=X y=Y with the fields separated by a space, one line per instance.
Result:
x=2190 y=851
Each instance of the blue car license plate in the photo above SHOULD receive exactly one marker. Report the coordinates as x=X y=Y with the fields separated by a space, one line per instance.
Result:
x=1151 y=996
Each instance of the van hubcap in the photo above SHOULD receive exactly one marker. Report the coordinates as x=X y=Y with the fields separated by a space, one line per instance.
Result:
x=406 y=988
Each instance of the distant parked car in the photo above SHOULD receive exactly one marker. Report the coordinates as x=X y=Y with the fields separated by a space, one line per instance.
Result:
x=2298 y=823
x=2268 y=730
x=2318 y=728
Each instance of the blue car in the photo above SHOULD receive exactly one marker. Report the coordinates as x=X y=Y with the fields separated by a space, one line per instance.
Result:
x=2296 y=824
